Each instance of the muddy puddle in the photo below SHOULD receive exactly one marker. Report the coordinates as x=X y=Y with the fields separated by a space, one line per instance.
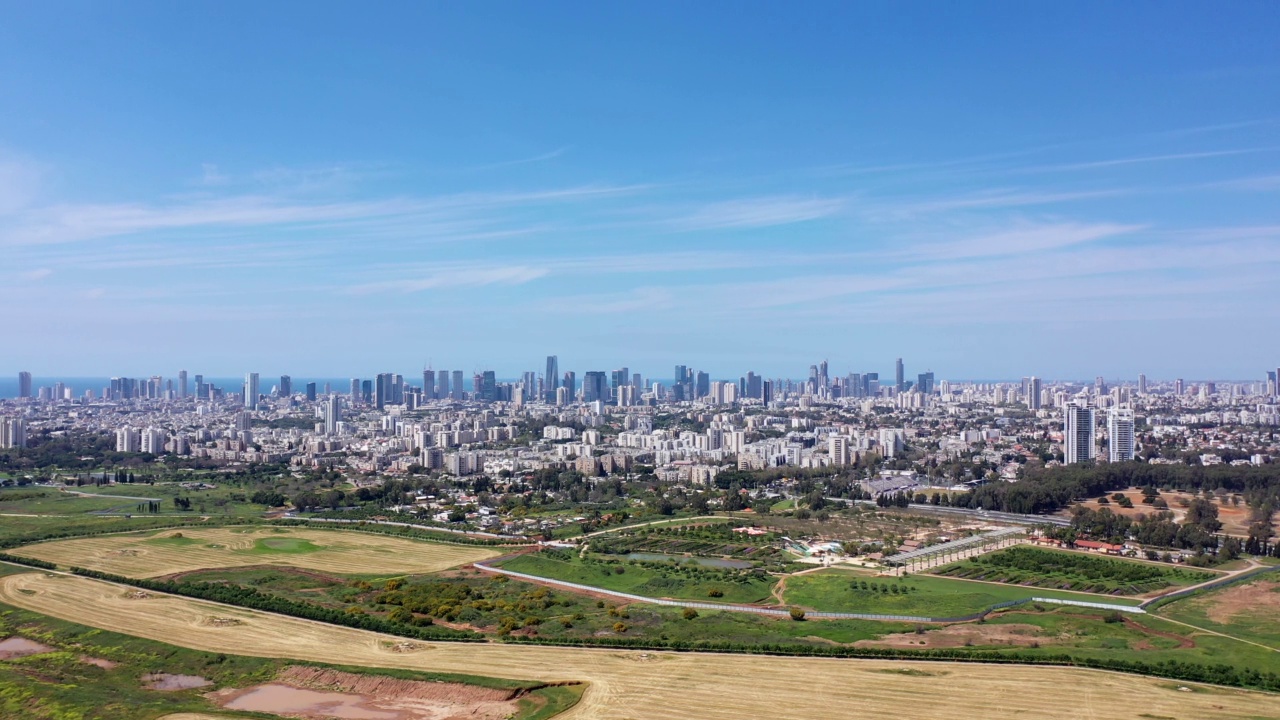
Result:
x=16 y=647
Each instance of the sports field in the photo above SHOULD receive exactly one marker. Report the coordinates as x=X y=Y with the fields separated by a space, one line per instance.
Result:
x=165 y=552
x=676 y=686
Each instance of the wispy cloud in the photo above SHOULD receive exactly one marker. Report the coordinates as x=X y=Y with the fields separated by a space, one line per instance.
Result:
x=759 y=212
x=1170 y=157
x=455 y=277
x=525 y=161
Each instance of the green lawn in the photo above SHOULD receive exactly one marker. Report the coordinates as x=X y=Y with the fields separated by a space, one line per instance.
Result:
x=1249 y=610
x=47 y=501
x=920 y=595
x=656 y=580
x=1062 y=570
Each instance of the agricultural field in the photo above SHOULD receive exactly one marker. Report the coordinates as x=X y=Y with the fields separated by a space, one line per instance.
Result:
x=624 y=685
x=219 y=501
x=1249 y=610
x=165 y=552
x=53 y=669
x=660 y=579
x=837 y=590
x=1062 y=570
x=48 y=501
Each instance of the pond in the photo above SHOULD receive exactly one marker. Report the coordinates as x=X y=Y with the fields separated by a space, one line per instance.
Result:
x=708 y=562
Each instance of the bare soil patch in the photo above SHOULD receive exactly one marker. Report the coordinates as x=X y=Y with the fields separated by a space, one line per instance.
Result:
x=17 y=647
x=166 y=682
x=1259 y=597
x=99 y=662
x=308 y=692
x=966 y=634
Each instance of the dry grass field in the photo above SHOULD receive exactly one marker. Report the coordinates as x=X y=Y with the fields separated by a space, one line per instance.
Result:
x=633 y=685
x=171 y=551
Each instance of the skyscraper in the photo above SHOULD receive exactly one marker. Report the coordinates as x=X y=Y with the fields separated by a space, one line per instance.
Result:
x=428 y=384
x=595 y=386
x=897 y=376
x=1120 y=434
x=488 y=386
x=332 y=414
x=1078 y=433
x=24 y=384
x=355 y=391
x=311 y=392
x=182 y=383
x=1142 y=384
x=703 y=388
x=457 y=392
x=286 y=386
x=1179 y=387
x=251 y=391
x=570 y=385
x=551 y=380
x=382 y=391
x=924 y=382
x=442 y=391
x=1033 y=393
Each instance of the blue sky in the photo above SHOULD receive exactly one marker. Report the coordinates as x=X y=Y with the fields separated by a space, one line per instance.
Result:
x=985 y=189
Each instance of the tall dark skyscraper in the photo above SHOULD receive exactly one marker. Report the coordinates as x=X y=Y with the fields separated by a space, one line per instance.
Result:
x=898 y=376
x=428 y=384
x=595 y=386
x=382 y=396
x=24 y=384
x=182 y=383
x=457 y=391
x=551 y=380
x=311 y=392
x=488 y=386
x=924 y=382
x=286 y=386
x=570 y=384
x=703 y=388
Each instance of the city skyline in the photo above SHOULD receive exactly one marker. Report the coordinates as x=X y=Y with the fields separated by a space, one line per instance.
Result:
x=978 y=190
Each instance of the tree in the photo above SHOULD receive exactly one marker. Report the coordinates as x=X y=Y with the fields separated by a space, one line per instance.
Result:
x=1204 y=515
x=796 y=614
x=689 y=614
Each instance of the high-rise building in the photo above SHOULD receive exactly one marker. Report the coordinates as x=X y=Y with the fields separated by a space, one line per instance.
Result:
x=332 y=414
x=570 y=384
x=924 y=382
x=13 y=433
x=551 y=380
x=24 y=384
x=1142 y=384
x=899 y=381
x=457 y=391
x=428 y=384
x=617 y=379
x=1078 y=433
x=595 y=386
x=1179 y=387
x=128 y=440
x=286 y=386
x=382 y=391
x=355 y=391
x=366 y=392
x=703 y=387
x=1033 y=393
x=182 y=384
x=251 y=391
x=838 y=449
x=311 y=392
x=766 y=391
x=1120 y=434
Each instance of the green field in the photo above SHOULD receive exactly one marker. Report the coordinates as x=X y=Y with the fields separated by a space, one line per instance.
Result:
x=1062 y=570
x=285 y=546
x=648 y=579
x=47 y=501
x=918 y=595
x=62 y=684
x=1249 y=610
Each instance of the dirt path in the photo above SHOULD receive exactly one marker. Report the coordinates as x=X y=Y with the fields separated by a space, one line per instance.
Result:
x=1219 y=634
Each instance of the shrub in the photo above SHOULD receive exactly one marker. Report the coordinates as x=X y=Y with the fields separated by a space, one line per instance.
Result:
x=689 y=614
x=715 y=592
x=796 y=614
